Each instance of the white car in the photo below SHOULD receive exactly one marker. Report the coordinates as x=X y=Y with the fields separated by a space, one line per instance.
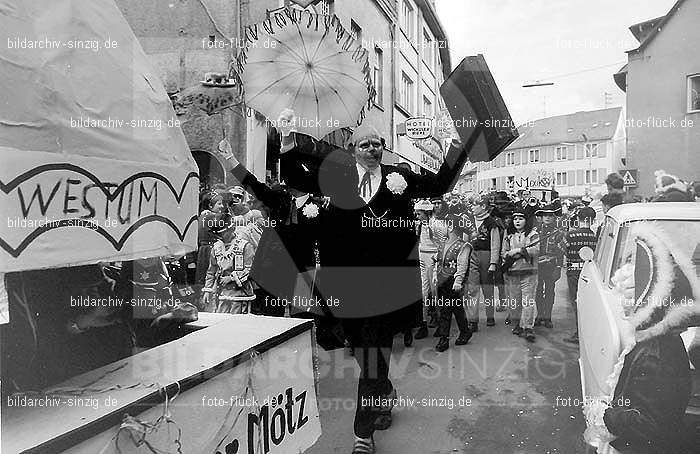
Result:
x=600 y=325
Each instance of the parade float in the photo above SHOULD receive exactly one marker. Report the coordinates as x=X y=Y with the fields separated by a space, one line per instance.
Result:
x=95 y=170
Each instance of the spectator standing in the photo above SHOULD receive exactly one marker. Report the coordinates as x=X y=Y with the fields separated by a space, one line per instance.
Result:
x=670 y=188
x=578 y=237
x=549 y=262
x=483 y=264
x=432 y=234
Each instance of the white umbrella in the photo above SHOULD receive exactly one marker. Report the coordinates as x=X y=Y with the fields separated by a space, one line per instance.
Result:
x=309 y=63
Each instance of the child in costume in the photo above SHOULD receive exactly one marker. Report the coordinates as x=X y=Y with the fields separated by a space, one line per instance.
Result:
x=453 y=264
x=521 y=247
x=227 y=276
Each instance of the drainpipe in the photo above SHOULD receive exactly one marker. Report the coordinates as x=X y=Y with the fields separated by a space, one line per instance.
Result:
x=392 y=33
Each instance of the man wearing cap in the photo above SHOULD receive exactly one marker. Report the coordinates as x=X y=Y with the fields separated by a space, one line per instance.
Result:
x=483 y=263
x=369 y=259
x=550 y=260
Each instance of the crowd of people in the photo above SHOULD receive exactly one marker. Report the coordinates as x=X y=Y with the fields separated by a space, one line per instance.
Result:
x=402 y=256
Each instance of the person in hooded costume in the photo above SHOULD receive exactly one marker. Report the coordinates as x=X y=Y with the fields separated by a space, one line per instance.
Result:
x=651 y=383
x=369 y=257
x=670 y=188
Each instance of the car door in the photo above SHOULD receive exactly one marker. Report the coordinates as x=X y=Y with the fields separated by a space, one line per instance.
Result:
x=599 y=339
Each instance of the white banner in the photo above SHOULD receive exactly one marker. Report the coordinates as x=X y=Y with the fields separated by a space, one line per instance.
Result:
x=58 y=213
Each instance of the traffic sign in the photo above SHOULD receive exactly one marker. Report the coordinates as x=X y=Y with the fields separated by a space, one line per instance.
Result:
x=630 y=177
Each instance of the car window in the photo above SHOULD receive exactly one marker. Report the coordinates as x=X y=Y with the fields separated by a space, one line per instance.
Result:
x=604 y=249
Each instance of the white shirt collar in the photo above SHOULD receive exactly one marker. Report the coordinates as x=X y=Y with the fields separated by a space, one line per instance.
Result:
x=300 y=201
x=374 y=173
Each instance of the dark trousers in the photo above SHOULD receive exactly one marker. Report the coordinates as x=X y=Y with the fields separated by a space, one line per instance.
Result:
x=372 y=345
x=572 y=280
x=544 y=295
x=453 y=305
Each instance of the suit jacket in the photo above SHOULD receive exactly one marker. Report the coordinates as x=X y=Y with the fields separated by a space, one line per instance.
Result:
x=369 y=251
x=289 y=247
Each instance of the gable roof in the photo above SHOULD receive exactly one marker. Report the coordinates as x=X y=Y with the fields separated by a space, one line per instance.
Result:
x=597 y=125
x=653 y=29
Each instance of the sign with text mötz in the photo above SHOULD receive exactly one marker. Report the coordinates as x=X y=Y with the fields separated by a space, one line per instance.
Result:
x=266 y=404
x=419 y=128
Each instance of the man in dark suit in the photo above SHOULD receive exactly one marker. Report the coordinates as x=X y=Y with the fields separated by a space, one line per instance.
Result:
x=369 y=260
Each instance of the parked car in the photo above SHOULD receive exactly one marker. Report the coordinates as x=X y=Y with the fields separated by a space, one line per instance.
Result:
x=601 y=327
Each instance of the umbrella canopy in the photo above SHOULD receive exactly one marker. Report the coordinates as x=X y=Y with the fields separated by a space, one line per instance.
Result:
x=309 y=63
x=94 y=164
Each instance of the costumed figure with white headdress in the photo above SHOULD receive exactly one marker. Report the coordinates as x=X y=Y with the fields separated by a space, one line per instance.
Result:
x=649 y=388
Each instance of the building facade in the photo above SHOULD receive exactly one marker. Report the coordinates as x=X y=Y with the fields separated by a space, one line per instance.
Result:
x=422 y=64
x=189 y=38
x=571 y=153
x=662 y=82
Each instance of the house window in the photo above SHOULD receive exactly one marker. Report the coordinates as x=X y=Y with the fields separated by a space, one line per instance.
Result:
x=510 y=182
x=591 y=176
x=406 y=92
x=591 y=150
x=694 y=93
x=427 y=107
x=355 y=30
x=493 y=183
x=561 y=153
x=327 y=7
x=534 y=156
x=510 y=158
x=407 y=20
x=378 y=75
x=561 y=179
x=428 y=49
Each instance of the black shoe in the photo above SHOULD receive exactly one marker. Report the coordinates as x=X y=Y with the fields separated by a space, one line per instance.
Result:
x=517 y=331
x=473 y=327
x=463 y=338
x=529 y=335
x=548 y=324
x=538 y=322
x=422 y=332
x=443 y=344
x=408 y=338
x=490 y=322
x=507 y=322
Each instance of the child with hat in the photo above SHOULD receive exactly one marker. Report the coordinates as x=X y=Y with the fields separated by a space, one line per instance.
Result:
x=521 y=246
x=453 y=263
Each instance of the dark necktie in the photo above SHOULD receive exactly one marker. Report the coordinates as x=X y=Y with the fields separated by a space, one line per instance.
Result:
x=366 y=186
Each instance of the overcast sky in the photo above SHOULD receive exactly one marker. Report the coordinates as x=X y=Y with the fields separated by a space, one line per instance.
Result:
x=527 y=40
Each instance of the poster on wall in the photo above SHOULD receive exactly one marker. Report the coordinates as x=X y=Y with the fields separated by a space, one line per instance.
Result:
x=95 y=166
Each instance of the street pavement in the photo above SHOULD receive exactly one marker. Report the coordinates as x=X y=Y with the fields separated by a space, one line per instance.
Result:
x=498 y=394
